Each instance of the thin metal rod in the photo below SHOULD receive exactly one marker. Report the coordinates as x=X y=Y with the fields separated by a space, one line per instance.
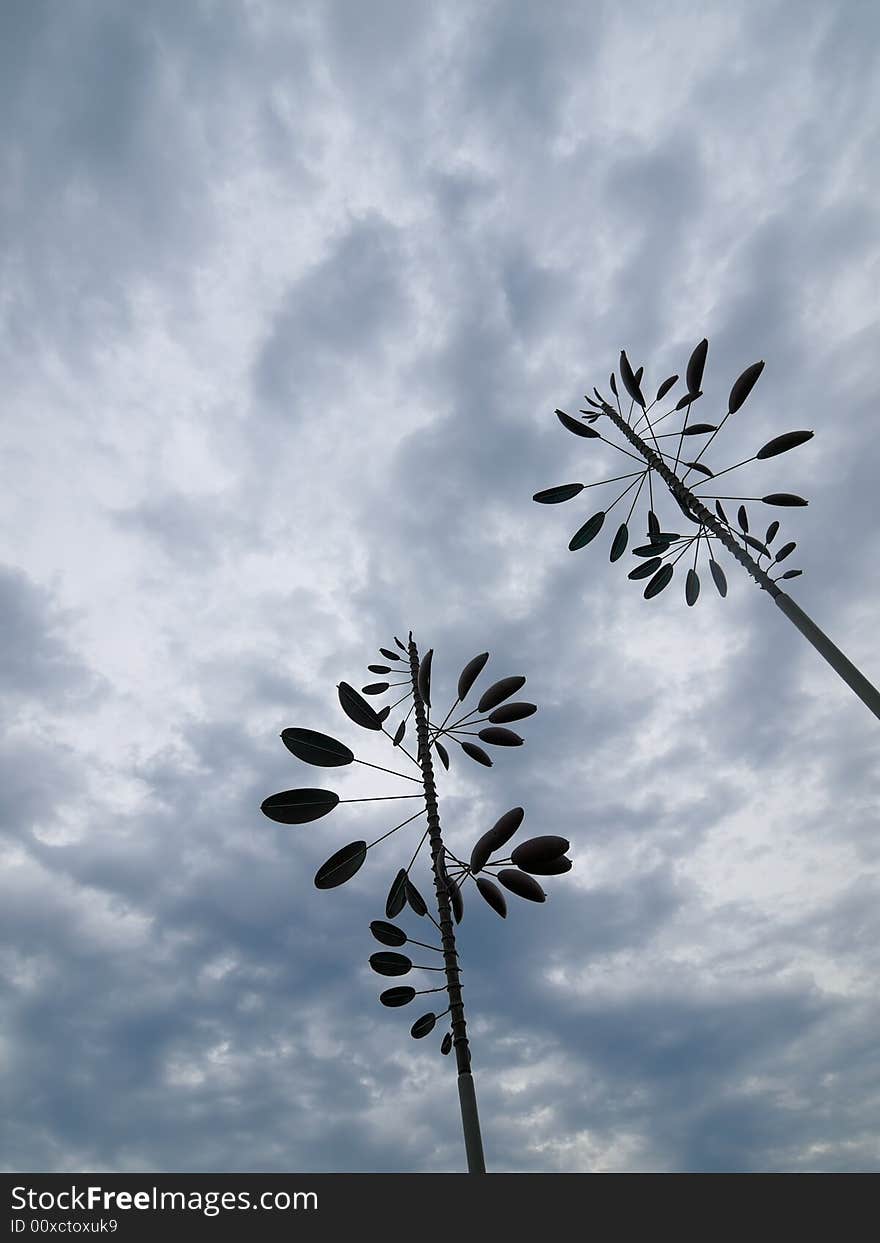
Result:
x=469 y=1118
x=856 y=680
x=392 y=771
x=415 y=816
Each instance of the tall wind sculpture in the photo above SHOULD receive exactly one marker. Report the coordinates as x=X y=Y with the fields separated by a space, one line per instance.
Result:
x=539 y=856
x=663 y=549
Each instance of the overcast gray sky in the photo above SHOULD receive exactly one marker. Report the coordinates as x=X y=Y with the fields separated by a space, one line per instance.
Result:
x=289 y=294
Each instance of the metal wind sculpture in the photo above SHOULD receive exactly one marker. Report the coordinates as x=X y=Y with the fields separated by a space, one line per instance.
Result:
x=665 y=548
x=540 y=856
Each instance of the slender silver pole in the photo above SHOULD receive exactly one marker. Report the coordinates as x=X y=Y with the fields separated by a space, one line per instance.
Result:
x=470 y=1121
x=857 y=682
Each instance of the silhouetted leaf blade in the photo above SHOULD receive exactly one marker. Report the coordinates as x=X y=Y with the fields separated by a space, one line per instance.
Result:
x=742 y=518
x=792 y=573
x=500 y=833
x=539 y=850
x=493 y=895
x=696 y=363
x=555 y=496
x=397 y=996
x=498 y=736
x=687 y=400
x=476 y=753
x=389 y=655
x=356 y=707
x=630 y=383
x=699 y=429
x=499 y=691
x=446 y=1044
x=299 y=806
x=704 y=470
x=314 y=748
x=396 y=900
x=342 y=866
x=782 y=444
x=719 y=578
x=388 y=963
x=658 y=582
x=618 y=545
x=523 y=885
x=421 y=1027
x=555 y=867
x=692 y=587
x=443 y=753
x=374 y=688
x=786 y=550
x=415 y=899
x=771 y=532
x=646 y=569
x=398 y=734
x=424 y=677
x=743 y=385
x=587 y=532
x=388 y=934
x=665 y=387
x=512 y=712
x=783 y=498
x=575 y=426
x=470 y=673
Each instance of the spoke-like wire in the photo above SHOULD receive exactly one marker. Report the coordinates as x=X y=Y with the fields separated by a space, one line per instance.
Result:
x=619 y=449
x=716 y=474
x=402 y=748
x=620 y=498
x=645 y=474
x=396 y=827
x=400 y=700
x=392 y=771
x=424 y=945
x=376 y=798
x=687 y=412
x=418 y=848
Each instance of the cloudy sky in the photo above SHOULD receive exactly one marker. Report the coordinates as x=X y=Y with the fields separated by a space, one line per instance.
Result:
x=289 y=295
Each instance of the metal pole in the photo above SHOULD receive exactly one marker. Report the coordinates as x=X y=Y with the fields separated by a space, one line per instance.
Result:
x=868 y=694
x=470 y=1121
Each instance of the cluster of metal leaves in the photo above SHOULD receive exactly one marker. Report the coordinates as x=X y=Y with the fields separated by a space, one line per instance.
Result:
x=539 y=856
x=492 y=704
x=659 y=574
x=385 y=963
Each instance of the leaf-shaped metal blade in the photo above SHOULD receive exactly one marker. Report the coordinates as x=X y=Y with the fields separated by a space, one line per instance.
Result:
x=522 y=885
x=374 y=688
x=315 y=748
x=401 y=645
x=498 y=736
x=299 y=806
x=756 y=544
x=384 y=713
x=646 y=569
x=397 y=996
x=499 y=691
x=388 y=934
x=658 y=582
x=630 y=383
x=446 y=1044
x=396 y=895
x=457 y=902
x=719 y=509
x=388 y=963
x=356 y=707
x=493 y=896
x=742 y=518
x=719 y=578
x=782 y=444
x=501 y=832
x=562 y=492
x=771 y=532
x=784 y=498
x=692 y=587
x=379 y=668
x=342 y=866
x=699 y=429
x=512 y=712
x=704 y=470
x=443 y=753
x=476 y=753
x=538 y=850
x=687 y=400
x=573 y=425
x=587 y=532
x=618 y=544
x=792 y=573
x=389 y=655
x=470 y=673
x=398 y=734
x=415 y=899
x=424 y=677
x=556 y=867
x=654 y=549
x=665 y=387
x=653 y=526
x=786 y=550
x=421 y=1027
x=696 y=363
x=743 y=385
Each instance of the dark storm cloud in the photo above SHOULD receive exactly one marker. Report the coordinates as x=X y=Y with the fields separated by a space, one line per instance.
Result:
x=481 y=216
